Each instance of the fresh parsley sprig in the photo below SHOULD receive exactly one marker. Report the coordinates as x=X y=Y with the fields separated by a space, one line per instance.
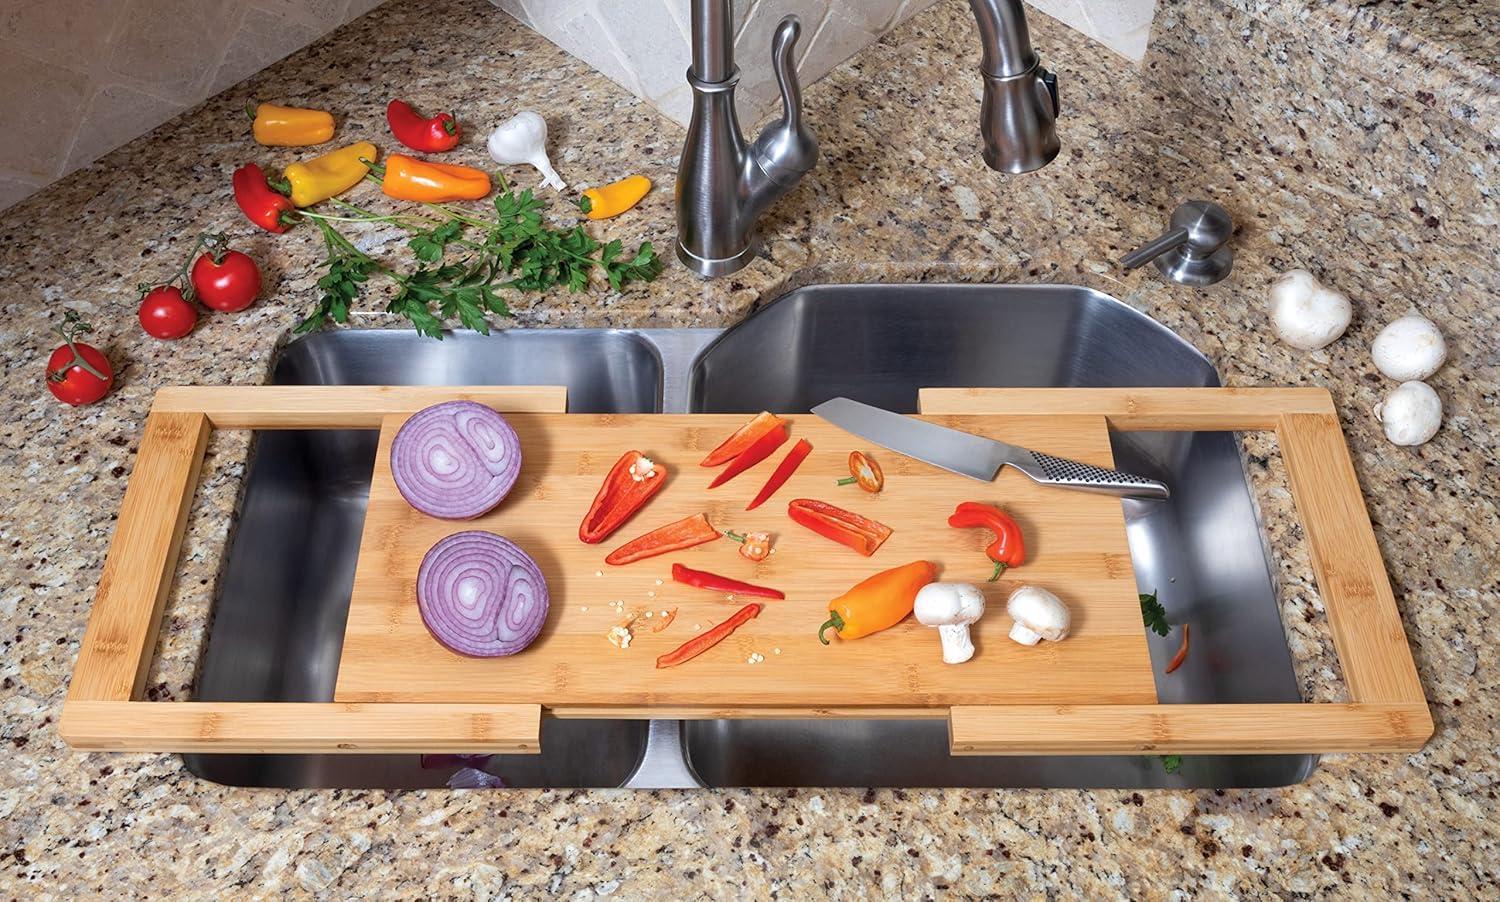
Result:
x=1154 y=615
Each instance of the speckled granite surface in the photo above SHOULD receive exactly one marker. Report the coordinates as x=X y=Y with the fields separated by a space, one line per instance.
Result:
x=1392 y=220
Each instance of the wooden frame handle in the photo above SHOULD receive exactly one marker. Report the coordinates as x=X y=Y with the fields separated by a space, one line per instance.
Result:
x=1388 y=711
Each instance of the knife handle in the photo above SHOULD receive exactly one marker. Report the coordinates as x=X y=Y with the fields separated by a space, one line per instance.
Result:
x=1071 y=474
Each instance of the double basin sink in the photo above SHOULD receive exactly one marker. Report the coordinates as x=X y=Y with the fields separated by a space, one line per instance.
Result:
x=284 y=592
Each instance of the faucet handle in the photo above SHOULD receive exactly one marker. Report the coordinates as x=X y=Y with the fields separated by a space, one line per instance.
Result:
x=787 y=149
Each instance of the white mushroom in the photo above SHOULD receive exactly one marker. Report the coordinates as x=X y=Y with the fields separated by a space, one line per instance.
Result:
x=1038 y=615
x=1411 y=348
x=1411 y=414
x=1304 y=313
x=951 y=607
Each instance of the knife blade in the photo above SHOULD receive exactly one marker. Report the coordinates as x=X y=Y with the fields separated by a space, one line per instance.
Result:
x=976 y=456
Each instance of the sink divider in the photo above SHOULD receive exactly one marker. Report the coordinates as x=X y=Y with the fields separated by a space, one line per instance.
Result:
x=105 y=709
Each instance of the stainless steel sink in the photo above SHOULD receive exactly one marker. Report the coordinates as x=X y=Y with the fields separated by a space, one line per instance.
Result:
x=284 y=595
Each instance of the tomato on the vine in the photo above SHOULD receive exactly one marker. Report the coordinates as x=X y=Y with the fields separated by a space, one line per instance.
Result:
x=226 y=280
x=165 y=313
x=78 y=373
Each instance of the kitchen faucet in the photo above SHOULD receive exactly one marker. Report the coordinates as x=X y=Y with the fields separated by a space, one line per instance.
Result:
x=723 y=184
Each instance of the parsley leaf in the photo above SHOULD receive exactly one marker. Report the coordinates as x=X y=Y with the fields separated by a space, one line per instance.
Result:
x=429 y=245
x=1171 y=763
x=1154 y=615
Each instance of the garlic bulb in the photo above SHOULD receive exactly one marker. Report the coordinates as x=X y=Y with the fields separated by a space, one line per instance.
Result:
x=1411 y=414
x=523 y=139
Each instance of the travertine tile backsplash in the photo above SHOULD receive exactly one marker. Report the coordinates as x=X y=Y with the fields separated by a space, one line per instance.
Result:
x=82 y=77
x=643 y=44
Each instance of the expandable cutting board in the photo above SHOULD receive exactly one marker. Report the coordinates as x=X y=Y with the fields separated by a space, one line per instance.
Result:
x=1076 y=547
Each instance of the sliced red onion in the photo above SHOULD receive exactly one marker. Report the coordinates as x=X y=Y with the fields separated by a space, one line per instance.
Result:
x=481 y=595
x=455 y=460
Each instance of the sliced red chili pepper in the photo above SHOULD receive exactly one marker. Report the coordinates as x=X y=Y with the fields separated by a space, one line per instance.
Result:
x=751 y=456
x=684 y=533
x=845 y=527
x=784 y=471
x=864 y=471
x=1008 y=549
x=697 y=645
x=261 y=203
x=743 y=438
x=713 y=582
x=1181 y=655
x=429 y=135
x=630 y=484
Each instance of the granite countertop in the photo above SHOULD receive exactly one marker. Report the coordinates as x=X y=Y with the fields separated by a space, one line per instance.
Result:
x=1394 y=221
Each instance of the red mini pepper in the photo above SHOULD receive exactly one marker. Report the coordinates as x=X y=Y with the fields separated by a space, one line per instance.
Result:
x=713 y=582
x=784 y=471
x=697 y=645
x=261 y=203
x=752 y=455
x=754 y=546
x=1008 y=550
x=430 y=135
x=845 y=527
x=684 y=533
x=630 y=484
x=865 y=472
x=743 y=438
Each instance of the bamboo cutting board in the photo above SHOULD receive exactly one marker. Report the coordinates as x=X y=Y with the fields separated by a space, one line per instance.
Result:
x=1076 y=547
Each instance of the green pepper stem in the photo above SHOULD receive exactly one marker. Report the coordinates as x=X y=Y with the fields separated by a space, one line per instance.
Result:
x=835 y=621
x=849 y=480
x=731 y=534
x=999 y=569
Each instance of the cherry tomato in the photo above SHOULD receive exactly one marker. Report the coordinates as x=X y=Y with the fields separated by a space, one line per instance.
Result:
x=165 y=313
x=78 y=373
x=228 y=284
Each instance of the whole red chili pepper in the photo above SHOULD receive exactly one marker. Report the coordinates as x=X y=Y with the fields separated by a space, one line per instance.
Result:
x=699 y=644
x=261 y=203
x=427 y=135
x=713 y=582
x=1008 y=550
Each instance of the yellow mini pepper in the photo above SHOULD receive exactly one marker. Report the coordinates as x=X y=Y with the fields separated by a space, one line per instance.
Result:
x=286 y=126
x=333 y=173
x=612 y=200
x=408 y=178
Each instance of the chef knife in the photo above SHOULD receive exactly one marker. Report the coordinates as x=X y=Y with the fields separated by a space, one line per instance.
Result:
x=976 y=456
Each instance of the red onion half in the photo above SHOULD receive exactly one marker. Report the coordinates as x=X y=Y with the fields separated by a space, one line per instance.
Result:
x=481 y=595
x=455 y=460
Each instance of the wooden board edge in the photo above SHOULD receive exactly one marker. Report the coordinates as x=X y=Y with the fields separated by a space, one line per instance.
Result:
x=1367 y=629
x=1165 y=409
x=342 y=406
x=1199 y=729
x=120 y=638
x=742 y=712
x=300 y=727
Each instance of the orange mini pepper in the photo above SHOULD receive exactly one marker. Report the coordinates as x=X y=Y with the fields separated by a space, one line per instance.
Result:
x=878 y=603
x=408 y=178
x=286 y=126
x=864 y=472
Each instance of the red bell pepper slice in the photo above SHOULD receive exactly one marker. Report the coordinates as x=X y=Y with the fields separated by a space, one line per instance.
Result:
x=713 y=582
x=684 y=533
x=630 y=484
x=1181 y=655
x=845 y=527
x=697 y=645
x=742 y=439
x=784 y=471
x=261 y=203
x=752 y=455
x=429 y=135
